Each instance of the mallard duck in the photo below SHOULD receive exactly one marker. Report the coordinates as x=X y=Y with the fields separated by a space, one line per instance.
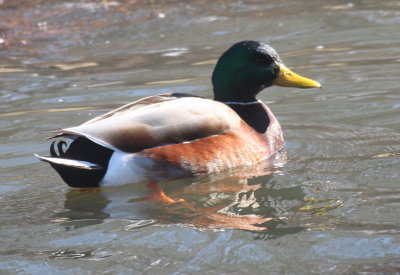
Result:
x=170 y=136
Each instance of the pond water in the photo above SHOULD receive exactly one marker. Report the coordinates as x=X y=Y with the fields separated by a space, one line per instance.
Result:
x=330 y=204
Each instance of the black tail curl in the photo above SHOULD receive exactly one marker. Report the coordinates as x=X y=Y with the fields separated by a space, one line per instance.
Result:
x=83 y=149
x=60 y=147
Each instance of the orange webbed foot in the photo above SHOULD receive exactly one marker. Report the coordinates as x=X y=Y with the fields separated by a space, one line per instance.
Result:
x=89 y=190
x=159 y=195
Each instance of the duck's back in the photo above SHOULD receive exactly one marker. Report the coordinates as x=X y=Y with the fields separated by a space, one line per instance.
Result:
x=156 y=121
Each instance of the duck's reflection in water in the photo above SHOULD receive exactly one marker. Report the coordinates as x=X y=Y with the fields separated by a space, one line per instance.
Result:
x=243 y=198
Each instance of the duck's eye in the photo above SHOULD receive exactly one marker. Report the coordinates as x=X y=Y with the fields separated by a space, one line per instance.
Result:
x=263 y=59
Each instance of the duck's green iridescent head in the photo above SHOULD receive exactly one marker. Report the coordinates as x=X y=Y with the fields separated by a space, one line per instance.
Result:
x=247 y=68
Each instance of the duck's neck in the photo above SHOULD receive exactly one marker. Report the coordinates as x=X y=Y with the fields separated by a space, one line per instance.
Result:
x=254 y=114
x=235 y=97
x=241 y=103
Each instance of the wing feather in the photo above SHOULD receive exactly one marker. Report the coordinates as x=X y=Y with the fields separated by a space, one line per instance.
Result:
x=158 y=120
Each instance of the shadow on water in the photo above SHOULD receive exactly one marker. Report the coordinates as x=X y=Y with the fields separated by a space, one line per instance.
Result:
x=246 y=198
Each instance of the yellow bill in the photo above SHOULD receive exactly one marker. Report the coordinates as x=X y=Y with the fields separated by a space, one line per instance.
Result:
x=287 y=78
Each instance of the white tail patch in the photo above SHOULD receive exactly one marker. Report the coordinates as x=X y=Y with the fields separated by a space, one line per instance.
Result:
x=70 y=162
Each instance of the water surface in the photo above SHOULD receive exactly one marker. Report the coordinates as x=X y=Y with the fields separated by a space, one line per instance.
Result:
x=331 y=208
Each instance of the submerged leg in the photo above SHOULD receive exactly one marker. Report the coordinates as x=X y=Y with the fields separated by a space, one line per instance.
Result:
x=158 y=194
x=89 y=190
